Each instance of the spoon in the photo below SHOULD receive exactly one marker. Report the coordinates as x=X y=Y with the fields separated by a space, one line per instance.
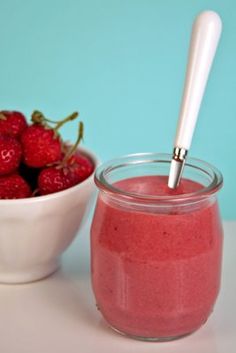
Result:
x=204 y=40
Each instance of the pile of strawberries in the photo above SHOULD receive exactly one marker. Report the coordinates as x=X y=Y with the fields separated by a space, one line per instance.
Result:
x=34 y=160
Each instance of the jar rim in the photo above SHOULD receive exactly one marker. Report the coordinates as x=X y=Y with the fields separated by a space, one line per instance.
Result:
x=104 y=169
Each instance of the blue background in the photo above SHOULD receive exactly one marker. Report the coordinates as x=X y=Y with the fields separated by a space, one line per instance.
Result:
x=121 y=63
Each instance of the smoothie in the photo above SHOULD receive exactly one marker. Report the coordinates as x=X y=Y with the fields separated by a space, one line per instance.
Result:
x=156 y=274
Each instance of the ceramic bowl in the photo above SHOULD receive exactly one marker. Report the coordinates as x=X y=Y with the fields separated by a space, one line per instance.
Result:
x=35 y=231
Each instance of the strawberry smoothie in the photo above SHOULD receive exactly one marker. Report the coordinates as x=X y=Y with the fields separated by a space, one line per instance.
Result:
x=156 y=272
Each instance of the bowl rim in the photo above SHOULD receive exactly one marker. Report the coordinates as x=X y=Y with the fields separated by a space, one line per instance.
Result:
x=58 y=194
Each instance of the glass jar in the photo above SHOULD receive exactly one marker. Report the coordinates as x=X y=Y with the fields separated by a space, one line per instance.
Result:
x=156 y=252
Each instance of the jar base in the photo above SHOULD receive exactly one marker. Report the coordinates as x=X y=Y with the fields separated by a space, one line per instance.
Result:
x=150 y=339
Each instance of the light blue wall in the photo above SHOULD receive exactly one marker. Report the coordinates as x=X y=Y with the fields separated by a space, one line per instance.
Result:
x=121 y=63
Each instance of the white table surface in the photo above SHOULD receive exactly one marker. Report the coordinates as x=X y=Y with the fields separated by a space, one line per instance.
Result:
x=58 y=315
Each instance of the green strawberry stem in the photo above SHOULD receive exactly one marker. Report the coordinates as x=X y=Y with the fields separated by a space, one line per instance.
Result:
x=37 y=117
x=74 y=147
x=71 y=117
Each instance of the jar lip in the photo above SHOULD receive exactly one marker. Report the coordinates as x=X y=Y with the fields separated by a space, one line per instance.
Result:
x=103 y=184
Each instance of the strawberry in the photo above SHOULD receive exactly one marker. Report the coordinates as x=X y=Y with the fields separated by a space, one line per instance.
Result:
x=13 y=186
x=41 y=144
x=10 y=154
x=57 y=178
x=81 y=166
x=73 y=169
x=12 y=123
x=54 y=179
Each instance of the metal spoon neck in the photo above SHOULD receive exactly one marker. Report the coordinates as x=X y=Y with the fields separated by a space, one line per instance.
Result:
x=177 y=166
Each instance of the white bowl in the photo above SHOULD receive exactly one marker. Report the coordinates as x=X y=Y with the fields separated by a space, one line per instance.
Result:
x=35 y=231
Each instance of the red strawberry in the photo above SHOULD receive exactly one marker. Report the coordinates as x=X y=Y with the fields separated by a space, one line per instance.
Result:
x=81 y=166
x=13 y=187
x=61 y=177
x=40 y=146
x=12 y=123
x=74 y=168
x=54 y=179
x=10 y=154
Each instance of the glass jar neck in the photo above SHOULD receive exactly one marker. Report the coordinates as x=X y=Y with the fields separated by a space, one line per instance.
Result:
x=109 y=175
x=132 y=205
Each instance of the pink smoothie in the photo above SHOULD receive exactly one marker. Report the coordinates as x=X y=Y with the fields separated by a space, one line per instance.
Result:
x=156 y=274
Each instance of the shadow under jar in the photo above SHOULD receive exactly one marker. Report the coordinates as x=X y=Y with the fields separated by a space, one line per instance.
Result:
x=156 y=253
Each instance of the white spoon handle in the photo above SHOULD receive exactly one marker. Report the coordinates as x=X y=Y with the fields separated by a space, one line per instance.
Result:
x=204 y=40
